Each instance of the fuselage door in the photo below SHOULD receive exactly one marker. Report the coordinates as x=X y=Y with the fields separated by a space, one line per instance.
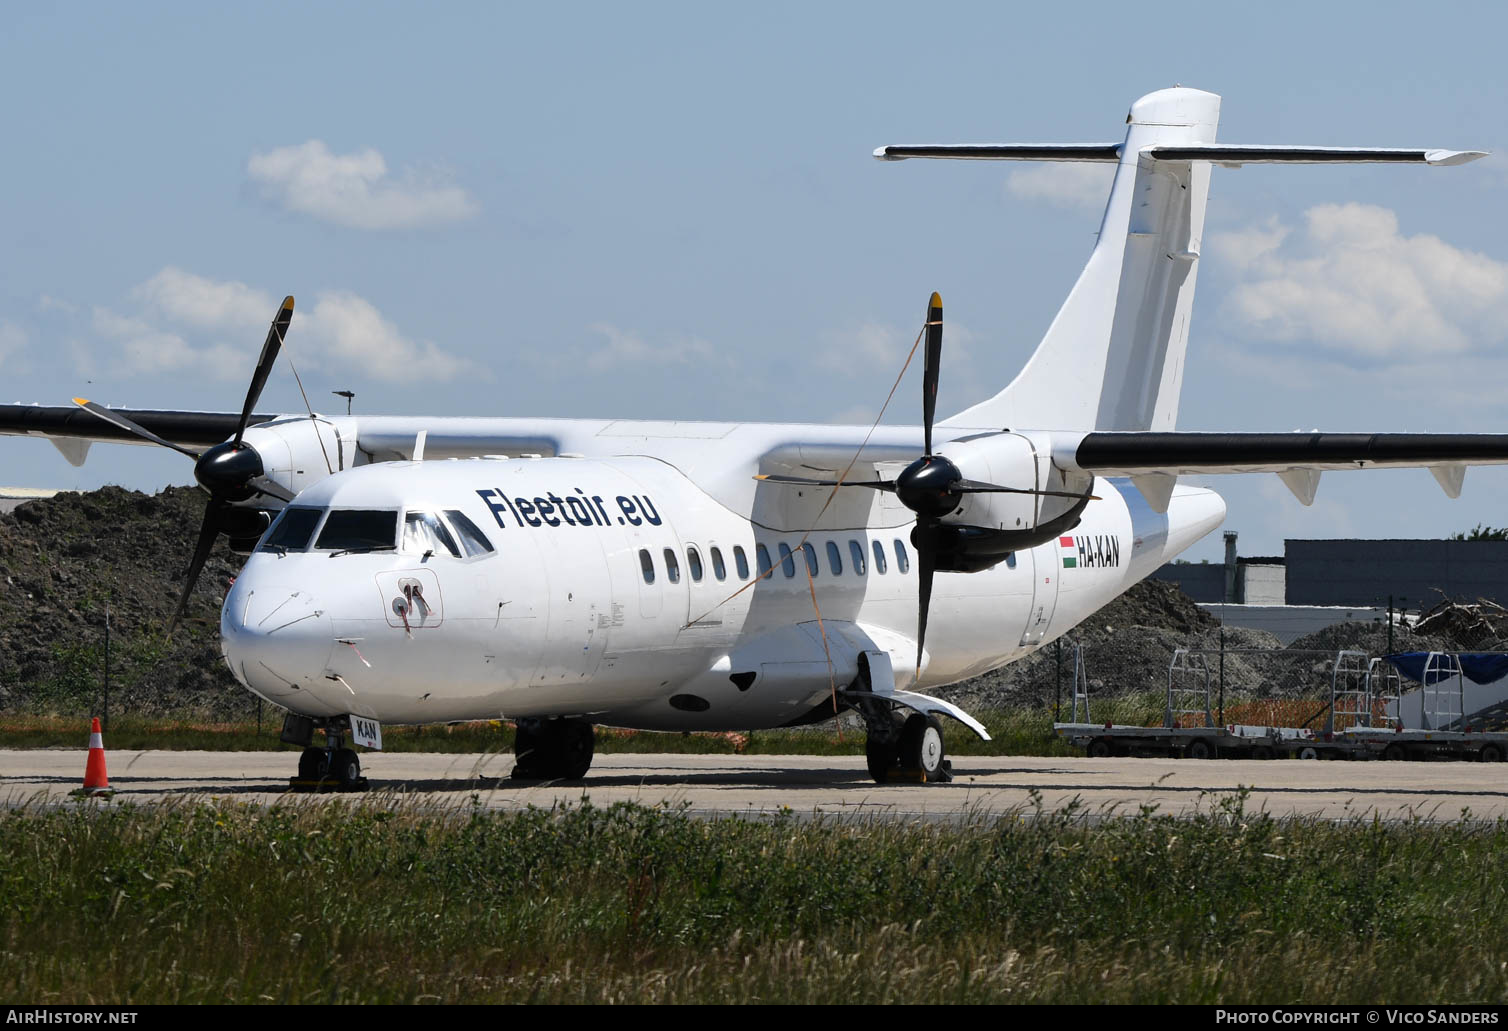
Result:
x=1046 y=569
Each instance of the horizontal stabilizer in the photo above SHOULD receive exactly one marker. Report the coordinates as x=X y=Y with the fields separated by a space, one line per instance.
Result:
x=1137 y=454
x=1227 y=154
x=1004 y=152
x=1244 y=154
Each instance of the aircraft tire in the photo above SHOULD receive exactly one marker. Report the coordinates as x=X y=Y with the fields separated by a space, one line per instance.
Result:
x=881 y=757
x=345 y=767
x=571 y=749
x=922 y=746
x=313 y=764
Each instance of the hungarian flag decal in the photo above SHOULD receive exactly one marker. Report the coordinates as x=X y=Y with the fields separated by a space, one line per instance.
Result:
x=1070 y=555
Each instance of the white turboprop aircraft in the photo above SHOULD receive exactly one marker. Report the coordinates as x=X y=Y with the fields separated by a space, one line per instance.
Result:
x=710 y=576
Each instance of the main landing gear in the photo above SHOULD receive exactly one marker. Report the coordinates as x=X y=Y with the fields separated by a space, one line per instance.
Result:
x=335 y=767
x=903 y=746
x=553 y=749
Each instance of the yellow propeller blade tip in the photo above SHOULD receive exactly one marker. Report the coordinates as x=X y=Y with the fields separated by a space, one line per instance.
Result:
x=288 y=302
x=761 y=476
x=936 y=299
x=81 y=401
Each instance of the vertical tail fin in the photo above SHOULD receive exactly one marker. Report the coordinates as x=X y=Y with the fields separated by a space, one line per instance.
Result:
x=1113 y=357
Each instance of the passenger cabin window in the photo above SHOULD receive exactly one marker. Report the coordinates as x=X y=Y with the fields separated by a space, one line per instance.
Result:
x=719 y=570
x=787 y=563
x=672 y=567
x=473 y=541
x=762 y=554
x=741 y=562
x=646 y=566
x=879 y=557
x=292 y=529
x=834 y=559
x=856 y=552
x=811 y=558
x=359 y=530
x=694 y=563
x=901 y=561
x=424 y=534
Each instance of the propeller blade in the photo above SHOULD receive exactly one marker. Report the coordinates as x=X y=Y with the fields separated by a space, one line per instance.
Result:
x=975 y=487
x=270 y=348
x=209 y=530
x=116 y=419
x=874 y=484
x=932 y=367
x=926 y=565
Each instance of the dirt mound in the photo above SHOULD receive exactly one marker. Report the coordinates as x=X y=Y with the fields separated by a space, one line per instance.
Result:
x=64 y=559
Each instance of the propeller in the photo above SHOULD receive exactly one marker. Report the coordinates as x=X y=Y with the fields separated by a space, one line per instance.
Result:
x=231 y=471
x=932 y=486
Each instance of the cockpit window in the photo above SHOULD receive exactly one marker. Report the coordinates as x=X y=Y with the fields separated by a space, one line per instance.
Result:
x=473 y=542
x=292 y=529
x=424 y=534
x=359 y=530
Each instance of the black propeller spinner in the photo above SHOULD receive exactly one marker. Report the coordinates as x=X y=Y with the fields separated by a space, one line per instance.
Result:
x=229 y=472
x=933 y=487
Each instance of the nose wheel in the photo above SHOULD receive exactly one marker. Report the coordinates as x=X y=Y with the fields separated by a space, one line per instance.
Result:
x=553 y=749
x=331 y=768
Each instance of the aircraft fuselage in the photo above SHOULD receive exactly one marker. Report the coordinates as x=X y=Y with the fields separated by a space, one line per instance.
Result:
x=618 y=589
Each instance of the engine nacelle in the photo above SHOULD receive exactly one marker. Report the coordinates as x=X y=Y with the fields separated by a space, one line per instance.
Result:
x=299 y=452
x=987 y=527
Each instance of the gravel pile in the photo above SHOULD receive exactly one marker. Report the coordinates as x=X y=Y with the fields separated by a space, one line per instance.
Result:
x=63 y=559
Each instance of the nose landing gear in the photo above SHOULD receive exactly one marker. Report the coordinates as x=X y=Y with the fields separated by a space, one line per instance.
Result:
x=334 y=767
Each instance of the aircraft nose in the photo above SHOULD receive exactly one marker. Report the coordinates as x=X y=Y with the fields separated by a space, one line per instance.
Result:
x=278 y=639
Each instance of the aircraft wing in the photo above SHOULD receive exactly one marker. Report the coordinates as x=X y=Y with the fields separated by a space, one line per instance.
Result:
x=1154 y=460
x=190 y=429
x=72 y=429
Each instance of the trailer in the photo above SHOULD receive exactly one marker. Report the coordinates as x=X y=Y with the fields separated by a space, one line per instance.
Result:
x=1368 y=716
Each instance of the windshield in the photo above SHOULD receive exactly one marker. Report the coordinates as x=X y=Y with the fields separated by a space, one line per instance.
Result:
x=424 y=534
x=292 y=530
x=359 y=530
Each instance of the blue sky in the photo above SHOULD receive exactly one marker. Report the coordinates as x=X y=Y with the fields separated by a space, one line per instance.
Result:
x=667 y=210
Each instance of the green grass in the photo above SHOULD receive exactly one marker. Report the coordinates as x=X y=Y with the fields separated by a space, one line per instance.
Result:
x=390 y=902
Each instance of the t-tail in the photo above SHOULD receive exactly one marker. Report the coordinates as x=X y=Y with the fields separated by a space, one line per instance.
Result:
x=1113 y=357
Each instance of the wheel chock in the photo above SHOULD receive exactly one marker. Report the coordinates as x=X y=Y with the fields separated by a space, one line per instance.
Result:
x=324 y=785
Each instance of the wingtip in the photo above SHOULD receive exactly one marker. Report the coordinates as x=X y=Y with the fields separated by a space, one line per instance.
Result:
x=1452 y=157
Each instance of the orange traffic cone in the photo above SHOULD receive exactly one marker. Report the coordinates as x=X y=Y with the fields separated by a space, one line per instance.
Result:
x=96 y=781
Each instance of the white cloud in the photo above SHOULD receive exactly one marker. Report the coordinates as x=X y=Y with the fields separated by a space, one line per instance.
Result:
x=348 y=328
x=1080 y=185
x=205 y=303
x=355 y=189
x=1351 y=282
x=622 y=348
x=188 y=323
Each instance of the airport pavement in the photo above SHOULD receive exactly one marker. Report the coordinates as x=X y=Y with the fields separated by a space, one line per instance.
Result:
x=751 y=785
